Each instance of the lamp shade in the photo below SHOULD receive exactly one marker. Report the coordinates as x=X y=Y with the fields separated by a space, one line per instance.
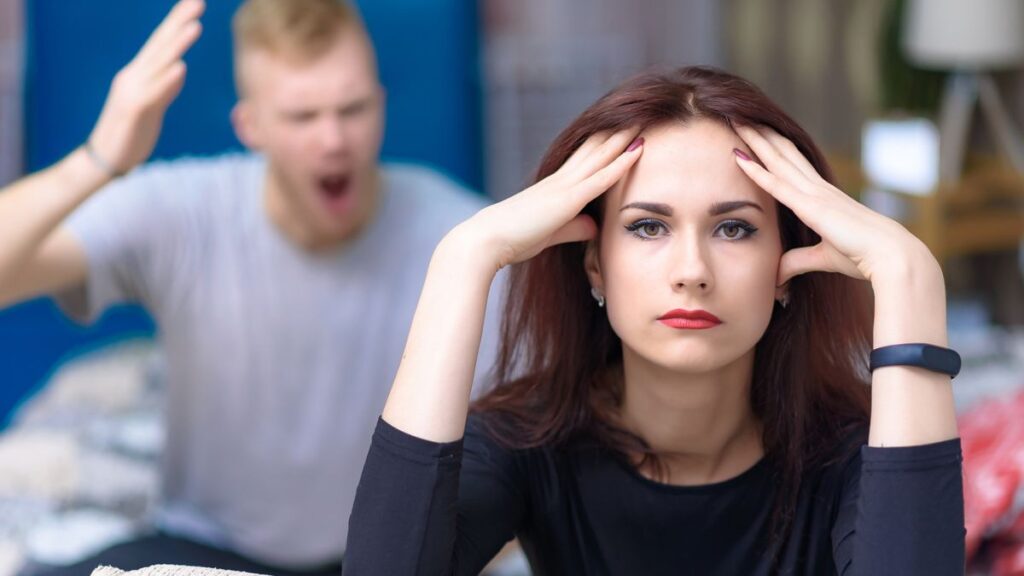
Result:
x=964 y=34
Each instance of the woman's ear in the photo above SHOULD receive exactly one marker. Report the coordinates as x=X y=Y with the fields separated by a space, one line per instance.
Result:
x=782 y=294
x=592 y=265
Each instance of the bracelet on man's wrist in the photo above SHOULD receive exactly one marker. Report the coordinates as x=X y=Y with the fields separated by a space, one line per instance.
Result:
x=100 y=161
x=927 y=356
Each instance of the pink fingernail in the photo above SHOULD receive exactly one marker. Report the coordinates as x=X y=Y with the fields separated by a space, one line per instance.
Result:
x=741 y=154
x=635 y=144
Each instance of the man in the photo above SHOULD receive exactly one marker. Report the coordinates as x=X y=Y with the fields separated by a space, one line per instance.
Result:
x=283 y=281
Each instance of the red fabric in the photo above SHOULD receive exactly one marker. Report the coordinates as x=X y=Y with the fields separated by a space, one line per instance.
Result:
x=992 y=437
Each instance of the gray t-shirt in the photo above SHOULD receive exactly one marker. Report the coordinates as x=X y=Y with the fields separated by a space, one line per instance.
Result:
x=278 y=361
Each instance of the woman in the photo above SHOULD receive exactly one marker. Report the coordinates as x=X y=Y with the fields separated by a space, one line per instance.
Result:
x=683 y=387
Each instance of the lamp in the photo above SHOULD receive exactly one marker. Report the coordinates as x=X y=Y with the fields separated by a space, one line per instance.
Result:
x=970 y=38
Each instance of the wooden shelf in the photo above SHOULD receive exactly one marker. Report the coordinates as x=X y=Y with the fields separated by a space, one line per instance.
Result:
x=983 y=212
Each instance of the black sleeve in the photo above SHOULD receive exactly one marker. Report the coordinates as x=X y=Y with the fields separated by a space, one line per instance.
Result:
x=428 y=508
x=902 y=512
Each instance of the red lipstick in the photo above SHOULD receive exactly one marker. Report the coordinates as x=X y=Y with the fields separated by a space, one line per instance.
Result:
x=689 y=319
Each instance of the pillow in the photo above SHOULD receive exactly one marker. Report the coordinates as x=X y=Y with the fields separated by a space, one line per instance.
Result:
x=168 y=570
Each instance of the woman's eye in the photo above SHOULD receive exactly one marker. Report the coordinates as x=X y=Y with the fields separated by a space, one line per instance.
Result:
x=647 y=229
x=734 y=230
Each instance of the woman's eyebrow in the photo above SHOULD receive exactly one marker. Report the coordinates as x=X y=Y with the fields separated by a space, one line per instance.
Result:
x=719 y=208
x=663 y=209
x=716 y=209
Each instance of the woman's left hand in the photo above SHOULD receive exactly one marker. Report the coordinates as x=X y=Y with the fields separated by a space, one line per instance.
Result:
x=856 y=240
x=909 y=406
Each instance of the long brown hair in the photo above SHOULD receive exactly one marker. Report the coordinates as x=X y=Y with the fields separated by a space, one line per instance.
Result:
x=559 y=364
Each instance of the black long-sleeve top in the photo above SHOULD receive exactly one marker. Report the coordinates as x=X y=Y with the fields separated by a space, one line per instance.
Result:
x=429 y=508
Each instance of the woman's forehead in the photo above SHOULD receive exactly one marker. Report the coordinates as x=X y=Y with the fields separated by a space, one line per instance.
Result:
x=690 y=163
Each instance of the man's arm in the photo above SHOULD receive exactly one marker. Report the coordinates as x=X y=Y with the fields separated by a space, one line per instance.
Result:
x=38 y=255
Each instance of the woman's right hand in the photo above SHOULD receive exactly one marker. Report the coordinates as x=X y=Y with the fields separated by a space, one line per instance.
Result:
x=548 y=213
x=430 y=395
x=128 y=127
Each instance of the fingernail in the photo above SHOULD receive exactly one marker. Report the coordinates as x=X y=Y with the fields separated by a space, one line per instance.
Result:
x=741 y=154
x=635 y=144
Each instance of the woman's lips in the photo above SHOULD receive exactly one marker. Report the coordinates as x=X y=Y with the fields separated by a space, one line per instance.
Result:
x=689 y=319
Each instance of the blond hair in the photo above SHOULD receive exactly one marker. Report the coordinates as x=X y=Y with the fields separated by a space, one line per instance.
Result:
x=294 y=29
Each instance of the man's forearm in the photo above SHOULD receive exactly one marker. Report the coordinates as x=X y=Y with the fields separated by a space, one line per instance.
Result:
x=33 y=207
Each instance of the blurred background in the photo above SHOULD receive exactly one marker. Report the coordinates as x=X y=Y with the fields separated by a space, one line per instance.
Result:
x=918 y=106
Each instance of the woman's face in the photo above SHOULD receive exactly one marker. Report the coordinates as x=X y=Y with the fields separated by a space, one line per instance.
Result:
x=686 y=232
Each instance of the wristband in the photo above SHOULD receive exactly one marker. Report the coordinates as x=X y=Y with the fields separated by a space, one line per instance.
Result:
x=927 y=356
x=100 y=161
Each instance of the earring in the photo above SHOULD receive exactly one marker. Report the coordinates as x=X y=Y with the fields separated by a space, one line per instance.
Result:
x=784 y=300
x=597 y=296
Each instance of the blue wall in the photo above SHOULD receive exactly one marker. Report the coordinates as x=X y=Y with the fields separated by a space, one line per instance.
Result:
x=428 y=54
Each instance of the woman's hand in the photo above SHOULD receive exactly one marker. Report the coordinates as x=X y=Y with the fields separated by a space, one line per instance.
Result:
x=548 y=213
x=430 y=396
x=856 y=241
x=910 y=406
x=128 y=127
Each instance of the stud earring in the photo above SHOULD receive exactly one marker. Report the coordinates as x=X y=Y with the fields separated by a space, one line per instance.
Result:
x=784 y=300
x=597 y=296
